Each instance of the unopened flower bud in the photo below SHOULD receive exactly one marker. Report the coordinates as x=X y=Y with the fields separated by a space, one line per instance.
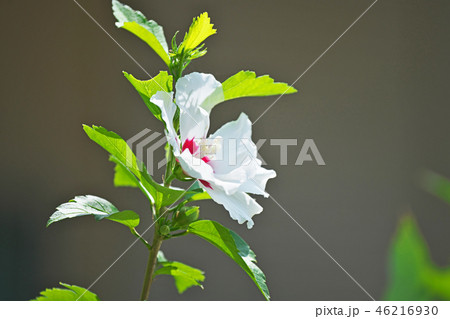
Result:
x=164 y=230
x=186 y=215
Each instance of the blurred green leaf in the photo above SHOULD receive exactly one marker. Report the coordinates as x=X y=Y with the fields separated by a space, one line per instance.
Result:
x=146 y=89
x=147 y=30
x=437 y=185
x=412 y=274
x=245 y=83
x=72 y=293
x=184 y=276
x=234 y=247
x=200 y=29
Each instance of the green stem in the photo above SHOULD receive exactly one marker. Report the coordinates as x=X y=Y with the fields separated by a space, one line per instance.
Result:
x=157 y=238
x=151 y=264
x=183 y=233
x=135 y=233
x=168 y=175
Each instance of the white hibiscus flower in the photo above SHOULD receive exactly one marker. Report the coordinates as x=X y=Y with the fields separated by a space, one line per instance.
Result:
x=226 y=163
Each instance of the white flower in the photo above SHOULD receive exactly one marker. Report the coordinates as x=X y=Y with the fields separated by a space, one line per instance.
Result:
x=226 y=163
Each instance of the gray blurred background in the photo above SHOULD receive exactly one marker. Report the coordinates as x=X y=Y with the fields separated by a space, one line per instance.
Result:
x=376 y=106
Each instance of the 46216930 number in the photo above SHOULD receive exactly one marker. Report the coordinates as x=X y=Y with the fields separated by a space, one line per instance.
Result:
x=407 y=310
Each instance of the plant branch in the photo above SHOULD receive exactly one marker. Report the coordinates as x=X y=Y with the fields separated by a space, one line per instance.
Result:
x=178 y=234
x=135 y=233
x=157 y=237
x=151 y=264
x=168 y=175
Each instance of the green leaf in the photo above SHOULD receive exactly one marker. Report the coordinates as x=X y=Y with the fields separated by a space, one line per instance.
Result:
x=200 y=29
x=184 y=276
x=123 y=177
x=412 y=274
x=82 y=206
x=126 y=217
x=146 y=89
x=72 y=293
x=245 y=83
x=124 y=156
x=437 y=185
x=147 y=30
x=195 y=192
x=95 y=206
x=198 y=196
x=116 y=146
x=233 y=246
x=162 y=196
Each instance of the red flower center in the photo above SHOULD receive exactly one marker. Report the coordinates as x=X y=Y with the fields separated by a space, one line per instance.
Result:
x=194 y=149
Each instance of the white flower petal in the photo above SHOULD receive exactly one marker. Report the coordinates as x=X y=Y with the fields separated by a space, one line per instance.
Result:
x=195 y=167
x=256 y=184
x=240 y=128
x=198 y=90
x=237 y=148
x=164 y=101
x=241 y=206
x=194 y=123
x=229 y=184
